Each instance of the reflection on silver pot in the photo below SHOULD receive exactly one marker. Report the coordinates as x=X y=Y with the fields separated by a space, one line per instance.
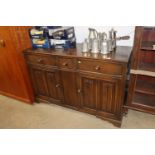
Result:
x=95 y=46
x=105 y=47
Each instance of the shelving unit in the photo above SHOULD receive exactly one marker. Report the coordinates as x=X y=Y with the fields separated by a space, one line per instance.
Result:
x=144 y=99
x=145 y=87
x=148 y=38
x=141 y=92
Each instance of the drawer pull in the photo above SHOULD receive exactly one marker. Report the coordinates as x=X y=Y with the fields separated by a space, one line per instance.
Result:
x=97 y=68
x=58 y=85
x=40 y=60
x=65 y=64
x=79 y=62
x=2 y=43
x=79 y=91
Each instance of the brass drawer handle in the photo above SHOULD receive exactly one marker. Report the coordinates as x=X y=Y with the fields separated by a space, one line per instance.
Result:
x=79 y=91
x=79 y=62
x=58 y=85
x=65 y=64
x=97 y=68
x=2 y=43
x=40 y=60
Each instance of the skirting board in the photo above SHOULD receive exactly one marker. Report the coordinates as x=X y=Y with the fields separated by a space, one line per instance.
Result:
x=16 y=97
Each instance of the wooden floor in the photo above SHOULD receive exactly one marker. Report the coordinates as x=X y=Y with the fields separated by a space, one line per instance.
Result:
x=15 y=114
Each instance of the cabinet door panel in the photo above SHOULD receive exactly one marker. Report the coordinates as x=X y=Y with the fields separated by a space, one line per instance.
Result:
x=69 y=83
x=107 y=96
x=100 y=95
x=39 y=81
x=53 y=84
x=88 y=93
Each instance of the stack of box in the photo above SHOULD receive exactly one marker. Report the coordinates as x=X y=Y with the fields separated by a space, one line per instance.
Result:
x=39 y=38
x=52 y=37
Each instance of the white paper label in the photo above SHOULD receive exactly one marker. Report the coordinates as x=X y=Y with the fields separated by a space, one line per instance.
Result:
x=56 y=42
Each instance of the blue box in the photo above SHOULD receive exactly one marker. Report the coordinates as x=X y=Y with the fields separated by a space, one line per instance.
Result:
x=62 y=43
x=61 y=33
x=40 y=43
x=38 y=33
x=47 y=27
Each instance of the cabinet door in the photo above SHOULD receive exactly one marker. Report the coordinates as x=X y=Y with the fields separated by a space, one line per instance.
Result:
x=39 y=82
x=88 y=88
x=108 y=96
x=54 y=86
x=100 y=95
x=69 y=83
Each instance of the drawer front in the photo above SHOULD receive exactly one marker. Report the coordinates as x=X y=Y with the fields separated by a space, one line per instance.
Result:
x=67 y=63
x=41 y=59
x=100 y=67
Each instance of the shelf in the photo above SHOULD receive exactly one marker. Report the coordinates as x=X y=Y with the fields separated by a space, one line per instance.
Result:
x=148 y=38
x=146 y=100
x=145 y=87
x=147 y=49
x=147 y=66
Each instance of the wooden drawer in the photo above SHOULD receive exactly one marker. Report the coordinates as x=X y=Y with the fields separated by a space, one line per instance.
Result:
x=100 y=67
x=67 y=63
x=41 y=59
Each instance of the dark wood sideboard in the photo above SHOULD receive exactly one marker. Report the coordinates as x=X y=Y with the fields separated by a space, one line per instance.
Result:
x=82 y=81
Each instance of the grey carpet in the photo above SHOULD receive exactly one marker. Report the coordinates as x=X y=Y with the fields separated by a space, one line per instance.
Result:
x=15 y=114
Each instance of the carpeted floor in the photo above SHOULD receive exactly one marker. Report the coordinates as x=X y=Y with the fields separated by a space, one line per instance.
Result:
x=15 y=114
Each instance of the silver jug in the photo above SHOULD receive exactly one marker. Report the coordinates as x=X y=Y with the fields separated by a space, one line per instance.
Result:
x=85 y=47
x=101 y=37
x=95 y=46
x=93 y=34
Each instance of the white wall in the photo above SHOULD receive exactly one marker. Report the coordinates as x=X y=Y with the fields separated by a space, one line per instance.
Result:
x=82 y=33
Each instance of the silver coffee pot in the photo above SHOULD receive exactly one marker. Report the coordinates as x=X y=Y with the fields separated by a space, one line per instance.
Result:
x=113 y=38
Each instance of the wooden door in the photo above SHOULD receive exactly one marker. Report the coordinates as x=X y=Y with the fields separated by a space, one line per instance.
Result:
x=14 y=81
x=39 y=82
x=70 y=90
x=100 y=95
x=54 y=86
x=46 y=84
x=108 y=97
x=88 y=89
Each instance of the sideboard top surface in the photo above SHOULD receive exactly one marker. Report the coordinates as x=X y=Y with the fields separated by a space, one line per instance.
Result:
x=121 y=54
